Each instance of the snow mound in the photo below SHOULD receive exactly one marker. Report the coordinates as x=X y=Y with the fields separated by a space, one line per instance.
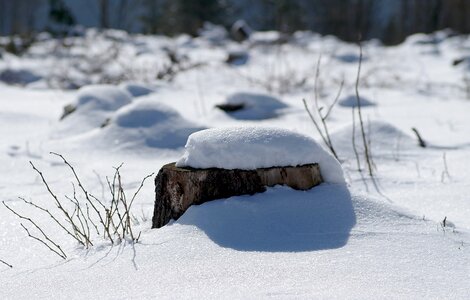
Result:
x=102 y=97
x=146 y=113
x=351 y=101
x=250 y=148
x=214 y=33
x=18 y=77
x=254 y=106
x=94 y=105
x=385 y=139
x=136 y=89
x=147 y=123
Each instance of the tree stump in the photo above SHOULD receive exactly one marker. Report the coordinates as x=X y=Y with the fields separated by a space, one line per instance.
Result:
x=178 y=188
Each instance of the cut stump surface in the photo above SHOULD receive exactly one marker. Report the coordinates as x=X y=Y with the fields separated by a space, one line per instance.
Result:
x=178 y=188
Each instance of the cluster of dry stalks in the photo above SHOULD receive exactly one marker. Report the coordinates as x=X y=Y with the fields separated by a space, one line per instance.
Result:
x=323 y=129
x=111 y=220
x=319 y=116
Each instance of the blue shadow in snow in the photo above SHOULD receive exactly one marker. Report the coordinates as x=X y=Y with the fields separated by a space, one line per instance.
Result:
x=279 y=220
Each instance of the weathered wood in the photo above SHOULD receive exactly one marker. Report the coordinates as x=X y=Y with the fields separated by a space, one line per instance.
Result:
x=178 y=188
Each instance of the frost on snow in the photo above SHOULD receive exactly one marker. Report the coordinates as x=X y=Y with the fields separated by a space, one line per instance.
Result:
x=257 y=147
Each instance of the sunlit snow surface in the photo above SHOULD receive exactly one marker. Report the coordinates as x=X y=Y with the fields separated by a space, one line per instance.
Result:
x=333 y=241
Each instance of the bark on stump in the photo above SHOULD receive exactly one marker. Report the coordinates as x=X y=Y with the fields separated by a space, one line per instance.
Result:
x=178 y=188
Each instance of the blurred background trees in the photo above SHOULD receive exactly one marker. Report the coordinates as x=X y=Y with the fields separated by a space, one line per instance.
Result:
x=388 y=20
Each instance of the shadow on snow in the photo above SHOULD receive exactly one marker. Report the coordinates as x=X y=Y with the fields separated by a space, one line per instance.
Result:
x=279 y=220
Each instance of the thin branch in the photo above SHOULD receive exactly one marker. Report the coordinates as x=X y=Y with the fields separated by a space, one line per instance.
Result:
x=361 y=122
x=53 y=218
x=330 y=108
x=59 y=205
x=10 y=266
x=140 y=187
x=421 y=142
x=315 y=85
x=356 y=153
x=315 y=123
x=40 y=230
x=82 y=188
x=324 y=133
x=445 y=173
x=61 y=254
x=90 y=219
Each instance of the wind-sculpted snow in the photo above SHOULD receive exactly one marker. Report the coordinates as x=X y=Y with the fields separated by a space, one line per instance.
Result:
x=257 y=147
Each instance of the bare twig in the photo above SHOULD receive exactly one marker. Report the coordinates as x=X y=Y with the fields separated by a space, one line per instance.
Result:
x=5 y=263
x=87 y=196
x=59 y=249
x=356 y=153
x=445 y=173
x=140 y=187
x=361 y=122
x=59 y=205
x=59 y=252
x=323 y=129
x=422 y=143
x=315 y=123
x=53 y=218
x=330 y=108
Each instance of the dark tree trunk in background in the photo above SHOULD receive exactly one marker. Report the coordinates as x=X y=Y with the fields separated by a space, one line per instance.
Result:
x=388 y=20
x=123 y=14
x=104 y=7
x=150 y=20
x=59 y=14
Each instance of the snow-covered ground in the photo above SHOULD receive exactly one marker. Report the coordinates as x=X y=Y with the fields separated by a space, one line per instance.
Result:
x=333 y=241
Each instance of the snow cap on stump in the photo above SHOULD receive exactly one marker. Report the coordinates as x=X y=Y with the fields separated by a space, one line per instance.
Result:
x=249 y=148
